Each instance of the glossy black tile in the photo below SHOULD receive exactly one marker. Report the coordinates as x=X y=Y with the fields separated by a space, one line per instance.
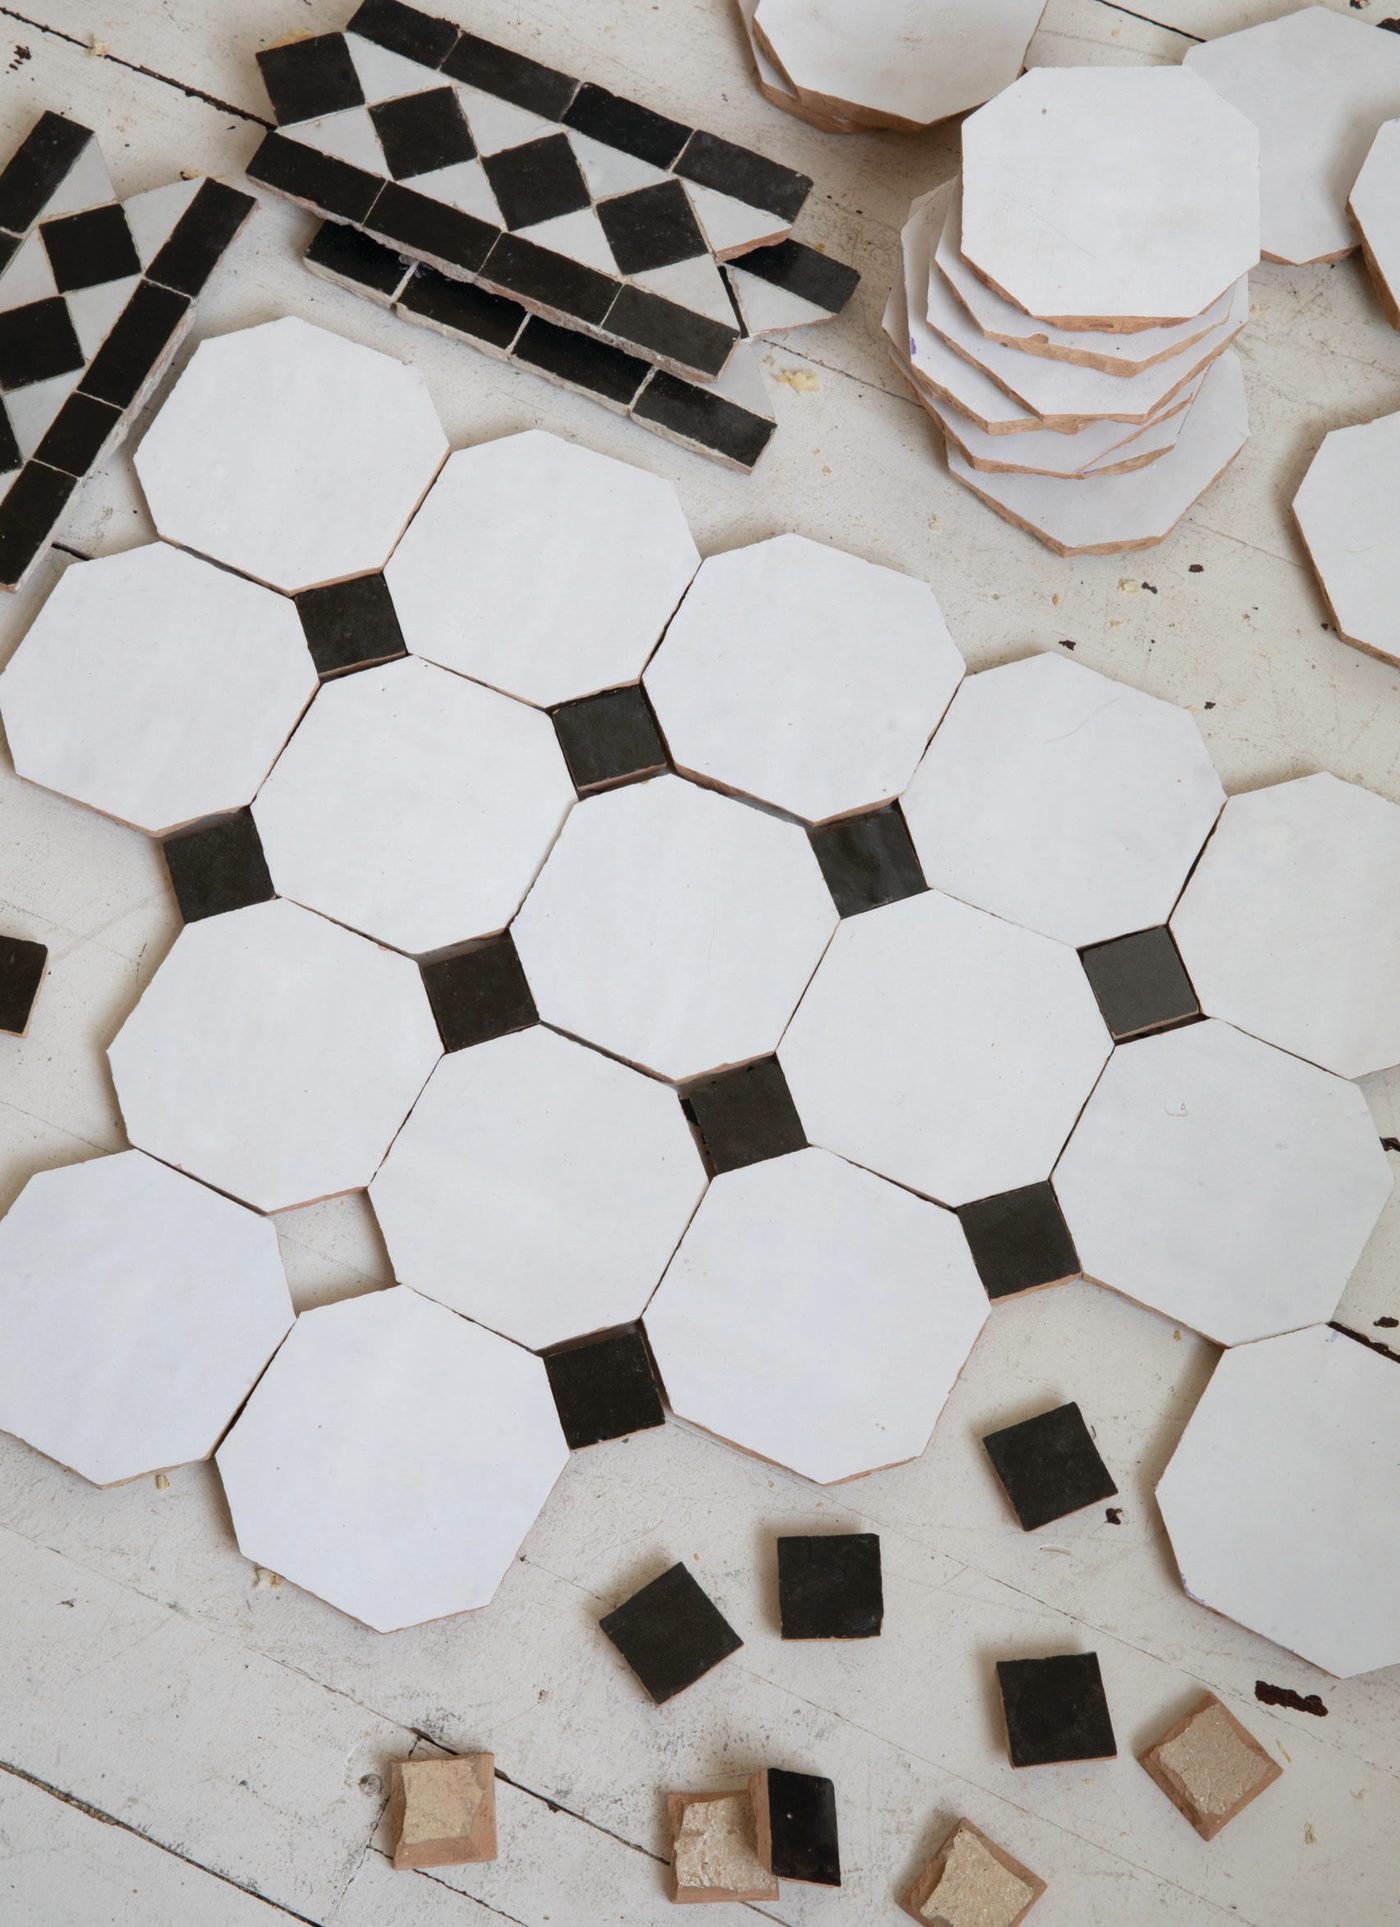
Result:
x=323 y=183
x=652 y=227
x=627 y=125
x=671 y=1633
x=38 y=168
x=37 y=342
x=1049 y=1466
x=21 y=972
x=868 y=860
x=744 y=1116
x=350 y=625
x=10 y=457
x=87 y=249
x=422 y=225
x=711 y=162
x=673 y=333
x=202 y=236
x=577 y=361
x=830 y=1587
x=609 y=738
x=803 y=271
x=604 y=1387
x=30 y=508
x=218 y=866
x=690 y=413
x=461 y=308
x=510 y=76
x=307 y=78
x=422 y=132
x=143 y=332
x=1055 y=1709
x=537 y=181
x=479 y=993
x=1019 y=1240
x=797 y=1826
x=78 y=434
x=405 y=30
x=548 y=280
x=1140 y=983
x=345 y=254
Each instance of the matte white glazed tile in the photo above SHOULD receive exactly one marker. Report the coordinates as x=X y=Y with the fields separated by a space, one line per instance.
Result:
x=539 y=1188
x=769 y=310
x=1063 y=800
x=155 y=688
x=274 y=1055
x=674 y=927
x=816 y=1316
x=944 y=1048
x=392 y=1459
x=542 y=568
x=138 y=1309
x=1317 y=84
x=1094 y=196
x=414 y=805
x=1374 y=206
x=291 y=454
x=1223 y=1183
x=1290 y=925
x=804 y=676
x=1345 y=511
x=1280 y=1499
x=152 y=217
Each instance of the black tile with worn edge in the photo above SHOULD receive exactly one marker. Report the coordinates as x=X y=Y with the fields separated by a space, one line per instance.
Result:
x=510 y=76
x=626 y=124
x=548 y=280
x=345 y=254
x=805 y=1844
x=322 y=182
x=1055 y=1709
x=803 y=271
x=868 y=860
x=38 y=168
x=87 y=249
x=710 y=161
x=604 y=1387
x=537 y=181
x=594 y=368
x=32 y=505
x=21 y=971
x=461 y=308
x=1049 y=1466
x=218 y=866
x=78 y=434
x=689 y=413
x=307 y=78
x=611 y=737
x=350 y=625
x=424 y=226
x=38 y=342
x=677 y=334
x=479 y=993
x=201 y=237
x=422 y=132
x=652 y=227
x=1019 y=1240
x=143 y=331
x=1140 y=983
x=744 y=1116
x=830 y=1587
x=405 y=30
x=671 y=1633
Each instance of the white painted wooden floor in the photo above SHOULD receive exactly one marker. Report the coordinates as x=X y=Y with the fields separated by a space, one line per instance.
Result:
x=185 y=1741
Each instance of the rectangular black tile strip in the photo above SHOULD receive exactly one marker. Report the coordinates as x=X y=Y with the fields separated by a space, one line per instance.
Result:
x=711 y=423
x=802 y=271
x=28 y=513
x=592 y=367
x=543 y=279
x=462 y=308
x=626 y=124
x=711 y=162
x=510 y=76
x=345 y=254
x=10 y=457
x=38 y=167
x=670 y=332
x=322 y=183
x=78 y=434
x=202 y=236
x=423 y=226
x=143 y=331
x=404 y=30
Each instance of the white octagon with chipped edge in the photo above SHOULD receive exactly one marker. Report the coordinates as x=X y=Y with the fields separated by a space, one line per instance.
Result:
x=1346 y=515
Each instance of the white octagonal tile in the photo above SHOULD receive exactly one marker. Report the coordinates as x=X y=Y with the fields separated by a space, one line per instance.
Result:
x=816 y=1316
x=291 y=454
x=1223 y=1183
x=1281 y=1498
x=392 y=1459
x=944 y=1048
x=414 y=805
x=674 y=927
x=542 y=568
x=1346 y=515
x=274 y=1055
x=1290 y=925
x=1374 y=205
x=138 y=1309
x=155 y=688
x=803 y=676
x=539 y=1188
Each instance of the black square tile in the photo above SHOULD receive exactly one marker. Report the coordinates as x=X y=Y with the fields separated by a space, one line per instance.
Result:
x=510 y=76
x=1019 y=1240
x=28 y=514
x=609 y=738
x=1055 y=1709
x=322 y=182
x=350 y=625
x=745 y=1115
x=671 y=1633
x=1141 y=983
x=404 y=30
x=627 y=125
x=129 y=356
x=652 y=227
x=868 y=860
x=462 y=308
x=479 y=993
x=548 y=280
x=830 y=1588
x=202 y=236
x=421 y=225
x=87 y=249
x=422 y=132
x=537 y=181
x=37 y=169
x=1049 y=1466
x=307 y=78
x=689 y=413
x=348 y=255
x=803 y=271
x=78 y=434
x=21 y=969
x=577 y=361
x=604 y=1387
x=37 y=342
x=711 y=162
x=671 y=332
x=797 y=1825
x=218 y=866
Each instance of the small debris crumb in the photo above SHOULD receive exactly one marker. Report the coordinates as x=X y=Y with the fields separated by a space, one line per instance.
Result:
x=265 y=1581
x=1196 y=568
x=162 y=1482
x=1208 y=705
x=1309 y=1837
x=1066 y=643
x=96 y=49
x=1388 y=1324
x=801 y=380
x=1285 y=1696
x=1127 y=586
x=1114 y=1515
x=21 y=54
x=1150 y=587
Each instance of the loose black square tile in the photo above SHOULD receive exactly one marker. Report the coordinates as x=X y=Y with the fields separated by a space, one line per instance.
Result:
x=78 y=434
x=1019 y=1240
x=307 y=78
x=218 y=866
x=479 y=993
x=652 y=227
x=537 y=181
x=201 y=238
x=797 y=1836
x=745 y=1115
x=349 y=255
x=350 y=625
x=604 y=1387
x=322 y=182
x=87 y=249
x=404 y=30
x=462 y=308
x=422 y=225
x=803 y=271
x=10 y=457
x=577 y=361
x=31 y=507
x=1141 y=983
x=21 y=968
x=37 y=342
x=689 y=413
x=1049 y=1466
x=144 y=330
x=422 y=132
x=550 y=280
x=609 y=738
x=868 y=860
x=830 y=1588
x=626 y=124
x=670 y=331
x=37 y=169
x=711 y=162
x=510 y=76
x=1055 y=1709
x=671 y=1633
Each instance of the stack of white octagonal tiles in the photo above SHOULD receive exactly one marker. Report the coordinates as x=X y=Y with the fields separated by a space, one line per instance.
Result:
x=692 y=995
x=1065 y=308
